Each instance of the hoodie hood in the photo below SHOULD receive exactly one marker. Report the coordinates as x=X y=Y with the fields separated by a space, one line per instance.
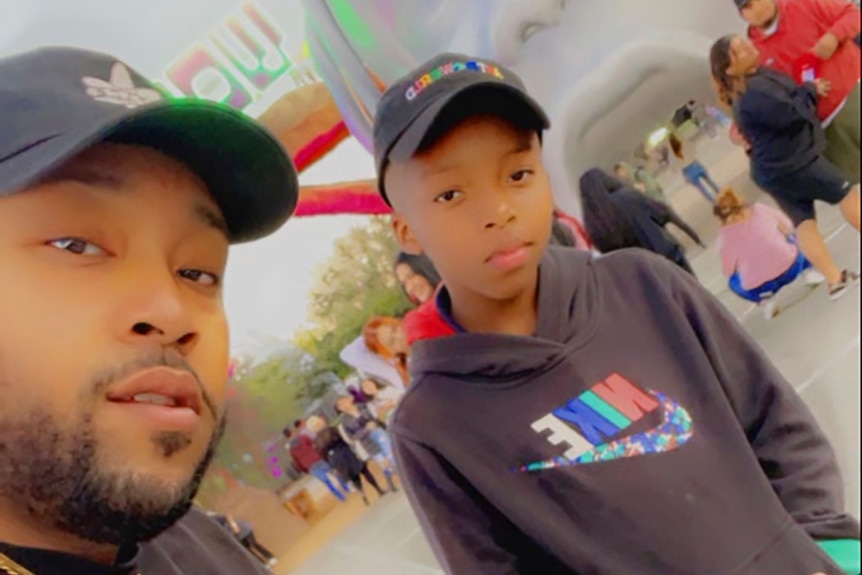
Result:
x=569 y=309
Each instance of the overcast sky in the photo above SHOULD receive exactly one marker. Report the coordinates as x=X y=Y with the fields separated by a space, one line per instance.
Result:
x=267 y=281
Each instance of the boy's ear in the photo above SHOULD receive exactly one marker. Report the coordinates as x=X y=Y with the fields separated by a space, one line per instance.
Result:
x=405 y=236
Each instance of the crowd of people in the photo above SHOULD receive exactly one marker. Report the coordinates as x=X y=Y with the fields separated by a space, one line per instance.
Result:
x=545 y=409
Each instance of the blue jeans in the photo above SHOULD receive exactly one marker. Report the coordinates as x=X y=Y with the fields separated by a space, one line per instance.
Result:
x=695 y=174
x=323 y=472
x=771 y=287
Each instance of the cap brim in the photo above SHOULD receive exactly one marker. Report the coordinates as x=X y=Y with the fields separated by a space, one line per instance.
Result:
x=411 y=139
x=247 y=171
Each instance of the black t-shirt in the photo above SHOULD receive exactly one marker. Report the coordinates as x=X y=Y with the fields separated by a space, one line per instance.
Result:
x=196 y=545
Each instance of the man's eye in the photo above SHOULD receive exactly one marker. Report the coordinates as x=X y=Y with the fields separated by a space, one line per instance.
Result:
x=77 y=246
x=447 y=197
x=521 y=176
x=201 y=277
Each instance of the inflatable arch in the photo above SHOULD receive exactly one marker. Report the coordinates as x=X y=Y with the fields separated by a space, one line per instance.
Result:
x=608 y=72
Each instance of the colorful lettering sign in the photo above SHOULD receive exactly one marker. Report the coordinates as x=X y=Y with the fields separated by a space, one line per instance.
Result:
x=239 y=60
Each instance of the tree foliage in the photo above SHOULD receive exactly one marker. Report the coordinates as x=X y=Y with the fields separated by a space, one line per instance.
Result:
x=267 y=394
x=356 y=284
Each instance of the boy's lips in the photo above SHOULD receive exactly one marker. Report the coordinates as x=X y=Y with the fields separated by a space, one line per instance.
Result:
x=509 y=256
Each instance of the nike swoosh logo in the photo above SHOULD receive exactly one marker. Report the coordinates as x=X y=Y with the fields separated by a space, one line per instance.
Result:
x=675 y=430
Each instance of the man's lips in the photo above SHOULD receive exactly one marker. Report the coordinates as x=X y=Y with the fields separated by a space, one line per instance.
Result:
x=160 y=386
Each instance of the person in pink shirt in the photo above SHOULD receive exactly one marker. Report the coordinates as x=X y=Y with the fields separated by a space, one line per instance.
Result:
x=758 y=251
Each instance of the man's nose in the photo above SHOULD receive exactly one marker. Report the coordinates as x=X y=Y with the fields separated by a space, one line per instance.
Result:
x=155 y=310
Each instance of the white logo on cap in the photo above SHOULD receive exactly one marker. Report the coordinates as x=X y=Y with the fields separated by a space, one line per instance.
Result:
x=120 y=89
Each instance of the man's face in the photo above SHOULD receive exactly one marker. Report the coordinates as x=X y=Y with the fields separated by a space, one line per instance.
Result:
x=759 y=13
x=479 y=204
x=113 y=346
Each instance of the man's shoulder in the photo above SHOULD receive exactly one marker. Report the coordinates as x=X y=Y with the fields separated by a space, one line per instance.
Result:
x=197 y=544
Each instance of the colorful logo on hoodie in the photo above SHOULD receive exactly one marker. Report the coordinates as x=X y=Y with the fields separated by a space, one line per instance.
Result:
x=587 y=424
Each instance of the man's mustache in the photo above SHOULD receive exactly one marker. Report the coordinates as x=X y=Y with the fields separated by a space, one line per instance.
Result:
x=169 y=358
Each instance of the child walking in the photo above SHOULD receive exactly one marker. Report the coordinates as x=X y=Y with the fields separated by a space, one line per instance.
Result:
x=571 y=414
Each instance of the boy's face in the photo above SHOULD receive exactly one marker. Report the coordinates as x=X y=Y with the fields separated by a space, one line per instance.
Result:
x=479 y=204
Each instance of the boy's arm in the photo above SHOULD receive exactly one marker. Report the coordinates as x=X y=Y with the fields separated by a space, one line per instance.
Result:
x=792 y=449
x=468 y=535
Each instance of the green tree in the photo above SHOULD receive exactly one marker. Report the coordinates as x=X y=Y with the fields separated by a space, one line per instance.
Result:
x=354 y=285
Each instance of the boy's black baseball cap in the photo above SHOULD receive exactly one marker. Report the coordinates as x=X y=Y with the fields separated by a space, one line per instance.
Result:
x=411 y=106
x=56 y=102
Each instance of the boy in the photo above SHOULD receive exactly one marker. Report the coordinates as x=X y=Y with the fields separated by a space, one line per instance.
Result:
x=543 y=433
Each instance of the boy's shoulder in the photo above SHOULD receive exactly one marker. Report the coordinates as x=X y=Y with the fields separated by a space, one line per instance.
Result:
x=634 y=261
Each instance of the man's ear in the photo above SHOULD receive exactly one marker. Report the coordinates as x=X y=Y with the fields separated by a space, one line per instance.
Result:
x=405 y=236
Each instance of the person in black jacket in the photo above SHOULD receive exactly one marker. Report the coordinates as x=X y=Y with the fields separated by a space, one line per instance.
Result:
x=332 y=447
x=779 y=122
x=618 y=217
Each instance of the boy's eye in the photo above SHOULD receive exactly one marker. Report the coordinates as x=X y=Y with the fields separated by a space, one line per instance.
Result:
x=521 y=176
x=449 y=196
x=201 y=277
x=77 y=246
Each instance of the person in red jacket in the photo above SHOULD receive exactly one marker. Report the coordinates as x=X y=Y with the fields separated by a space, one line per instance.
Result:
x=307 y=460
x=817 y=35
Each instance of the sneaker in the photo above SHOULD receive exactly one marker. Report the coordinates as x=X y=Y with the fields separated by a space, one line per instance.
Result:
x=848 y=279
x=769 y=308
x=813 y=278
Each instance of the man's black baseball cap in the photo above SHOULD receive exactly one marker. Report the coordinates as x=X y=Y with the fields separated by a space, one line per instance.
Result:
x=56 y=102
x=411 y=106
x=740 y=4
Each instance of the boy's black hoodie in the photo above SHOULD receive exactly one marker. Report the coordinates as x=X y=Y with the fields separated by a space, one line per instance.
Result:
x=640 y=431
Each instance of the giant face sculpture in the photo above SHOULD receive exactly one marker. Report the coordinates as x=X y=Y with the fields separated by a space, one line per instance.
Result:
x=608 y=71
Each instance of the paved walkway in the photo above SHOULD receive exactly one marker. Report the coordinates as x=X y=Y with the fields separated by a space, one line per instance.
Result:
x=815 y=343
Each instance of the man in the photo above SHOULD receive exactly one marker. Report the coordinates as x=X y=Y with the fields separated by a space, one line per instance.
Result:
x=788 y=32
x=117 y=207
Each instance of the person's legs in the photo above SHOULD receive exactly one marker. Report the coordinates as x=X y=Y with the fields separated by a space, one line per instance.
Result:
x=369 y=477
x=249 y=542
x=386 y=459
x=711 y=183
x=321 y=472
x=356 y=481
x=258 y=549
x=735 y=285
x=704 y=192
x=813 y=245
x=842 y=137
x=850 y=207
x=795 y=194
x=256 y=545
x=695 y=174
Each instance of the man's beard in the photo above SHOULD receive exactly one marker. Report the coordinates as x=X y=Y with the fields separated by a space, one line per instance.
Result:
x=55 y=474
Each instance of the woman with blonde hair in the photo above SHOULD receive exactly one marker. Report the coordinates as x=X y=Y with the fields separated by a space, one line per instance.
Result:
x=758 y=251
